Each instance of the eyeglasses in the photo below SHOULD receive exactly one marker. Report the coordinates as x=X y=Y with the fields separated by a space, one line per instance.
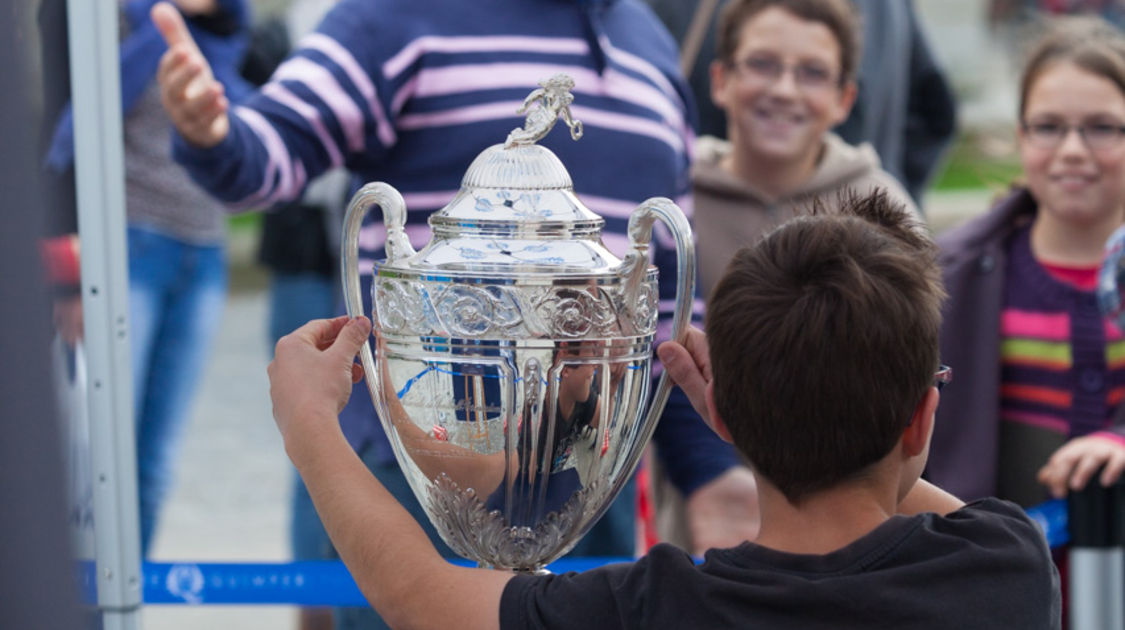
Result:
x=768 y=69
x=943 y=377
x=1098 y=136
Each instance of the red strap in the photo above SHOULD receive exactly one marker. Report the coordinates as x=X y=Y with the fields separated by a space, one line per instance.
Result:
x=60 y=257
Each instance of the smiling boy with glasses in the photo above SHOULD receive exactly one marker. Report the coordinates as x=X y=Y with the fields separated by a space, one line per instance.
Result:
x=784 y=75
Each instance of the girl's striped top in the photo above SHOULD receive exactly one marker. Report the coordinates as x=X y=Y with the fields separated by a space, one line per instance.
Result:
x=1062 y=366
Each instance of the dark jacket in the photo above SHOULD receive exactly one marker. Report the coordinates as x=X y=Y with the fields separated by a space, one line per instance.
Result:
x=965 y=446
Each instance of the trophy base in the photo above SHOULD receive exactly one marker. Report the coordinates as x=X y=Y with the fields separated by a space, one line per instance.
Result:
x=537 y=571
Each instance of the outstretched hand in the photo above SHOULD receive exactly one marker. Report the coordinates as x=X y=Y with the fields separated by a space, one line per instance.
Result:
x=1072 y=466
x=197 y=7
x=192 y=97
x=689 y=365
x=312 y=373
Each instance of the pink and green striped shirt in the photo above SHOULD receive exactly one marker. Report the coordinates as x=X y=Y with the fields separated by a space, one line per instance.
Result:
x=1062 y=366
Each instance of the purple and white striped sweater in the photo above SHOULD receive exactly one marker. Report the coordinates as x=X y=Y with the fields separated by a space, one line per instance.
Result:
x=383 y=89
x=410 y=91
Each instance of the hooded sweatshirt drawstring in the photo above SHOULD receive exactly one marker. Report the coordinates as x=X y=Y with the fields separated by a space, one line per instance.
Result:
x=591 y=29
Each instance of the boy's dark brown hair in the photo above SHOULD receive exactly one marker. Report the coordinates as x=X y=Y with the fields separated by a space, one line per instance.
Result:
x=1088 y=42
x=838 y=15
x=823 y=339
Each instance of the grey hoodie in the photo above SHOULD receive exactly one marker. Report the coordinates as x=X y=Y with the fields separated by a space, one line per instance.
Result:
x=730 y=213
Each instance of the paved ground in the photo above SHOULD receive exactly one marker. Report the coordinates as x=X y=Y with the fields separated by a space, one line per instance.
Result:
x=229 y=504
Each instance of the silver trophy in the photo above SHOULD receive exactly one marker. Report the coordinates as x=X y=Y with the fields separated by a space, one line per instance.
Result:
x=512 y=354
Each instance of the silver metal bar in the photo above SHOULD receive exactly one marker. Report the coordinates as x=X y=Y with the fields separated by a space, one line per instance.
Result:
x=1097 y=581
x=99 y=172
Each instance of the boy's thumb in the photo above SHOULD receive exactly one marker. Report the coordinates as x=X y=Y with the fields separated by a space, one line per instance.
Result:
x=353 y=336
x=171 y=25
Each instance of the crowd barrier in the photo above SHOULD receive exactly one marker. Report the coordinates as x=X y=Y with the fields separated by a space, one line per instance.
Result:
x=307 y=583
x=328 y=583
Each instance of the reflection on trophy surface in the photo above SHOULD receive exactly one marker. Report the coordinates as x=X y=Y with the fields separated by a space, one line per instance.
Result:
x=512 y=355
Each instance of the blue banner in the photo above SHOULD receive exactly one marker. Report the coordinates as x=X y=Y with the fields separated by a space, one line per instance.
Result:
x=311 y=583
x=328 y=583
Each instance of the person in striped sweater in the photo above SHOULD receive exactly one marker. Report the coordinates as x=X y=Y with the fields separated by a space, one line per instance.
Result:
x=1041 y=373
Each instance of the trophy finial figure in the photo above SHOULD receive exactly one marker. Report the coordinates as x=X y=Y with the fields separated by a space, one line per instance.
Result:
x=554 y=101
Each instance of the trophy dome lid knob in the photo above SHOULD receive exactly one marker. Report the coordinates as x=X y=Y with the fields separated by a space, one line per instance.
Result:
x=519 y=163
x=522 y=167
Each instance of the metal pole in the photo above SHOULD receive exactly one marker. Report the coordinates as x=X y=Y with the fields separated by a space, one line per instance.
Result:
x=99 y=172
x=1097 y=584
x=1097 y=557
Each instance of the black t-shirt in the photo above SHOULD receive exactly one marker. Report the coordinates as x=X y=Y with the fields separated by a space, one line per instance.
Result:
x=983 y=566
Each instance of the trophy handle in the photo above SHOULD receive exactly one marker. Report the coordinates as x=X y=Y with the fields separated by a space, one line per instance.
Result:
x=636 y=266
x=397 y=247
x=1111 y=279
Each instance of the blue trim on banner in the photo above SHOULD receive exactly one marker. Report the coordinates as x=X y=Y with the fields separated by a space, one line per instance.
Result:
x=1052 y=519
x=328 y=583
x=309 y=583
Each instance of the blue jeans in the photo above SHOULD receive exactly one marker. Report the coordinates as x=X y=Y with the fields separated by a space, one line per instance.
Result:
x=176 y=296
x=296 y=298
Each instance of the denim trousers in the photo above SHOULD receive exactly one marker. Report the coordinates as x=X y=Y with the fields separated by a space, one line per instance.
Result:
x=177 y=291
x=294 y=299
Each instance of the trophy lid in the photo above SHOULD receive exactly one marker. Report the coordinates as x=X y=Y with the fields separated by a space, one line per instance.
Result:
x=520 y=182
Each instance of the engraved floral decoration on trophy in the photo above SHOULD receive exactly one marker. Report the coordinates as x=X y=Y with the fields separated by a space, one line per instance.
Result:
x=536 y=253
x=574 y=313
x=476 y=311
x=467 y=525
x=479 y=311
x=397 y=306
x=491 y=251
x=525 y=205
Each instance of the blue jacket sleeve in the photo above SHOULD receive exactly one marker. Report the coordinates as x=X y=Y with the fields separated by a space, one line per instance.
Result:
x=140 y=54
x=690 y=452
x=230 y=168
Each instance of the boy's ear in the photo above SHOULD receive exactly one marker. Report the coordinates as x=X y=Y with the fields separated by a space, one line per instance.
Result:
x=848 y=93
x=718 y=84
x=714 y=420
x=916 y=437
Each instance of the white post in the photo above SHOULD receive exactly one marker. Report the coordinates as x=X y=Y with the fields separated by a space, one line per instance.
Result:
x=1097 y=585
x=100 y=188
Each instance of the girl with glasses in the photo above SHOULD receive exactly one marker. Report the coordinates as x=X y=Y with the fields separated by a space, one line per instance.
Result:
x=1041 y=374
